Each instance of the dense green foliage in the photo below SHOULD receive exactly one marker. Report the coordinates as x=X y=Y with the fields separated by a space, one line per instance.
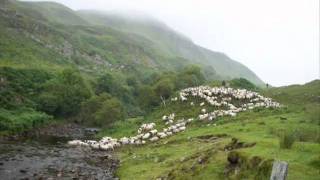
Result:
x=63 y=95
x=102 y=110
x=19 y=87
x=242 y=84
x=95 y=101
x=21 y=119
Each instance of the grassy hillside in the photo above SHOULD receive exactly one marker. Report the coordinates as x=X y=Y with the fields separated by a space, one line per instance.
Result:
x=41 y=41
x=169 y=42
x=94 y=42
x=200 y=152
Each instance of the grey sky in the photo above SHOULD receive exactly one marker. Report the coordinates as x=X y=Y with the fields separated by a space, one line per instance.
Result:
x=277 y=39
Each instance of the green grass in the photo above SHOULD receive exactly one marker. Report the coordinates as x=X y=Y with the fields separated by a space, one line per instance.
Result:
x=177 y=157
x=158 y=159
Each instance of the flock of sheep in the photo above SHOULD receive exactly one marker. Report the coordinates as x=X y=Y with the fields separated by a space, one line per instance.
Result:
x=220 y=98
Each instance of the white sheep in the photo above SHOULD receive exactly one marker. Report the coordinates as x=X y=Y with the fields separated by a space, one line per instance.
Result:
x=106 y=147
x=146 y=136
x=220 y=97
x=74 y=142
x=155 y=138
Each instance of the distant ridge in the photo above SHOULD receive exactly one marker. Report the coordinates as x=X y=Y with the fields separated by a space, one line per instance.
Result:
x=95 y=40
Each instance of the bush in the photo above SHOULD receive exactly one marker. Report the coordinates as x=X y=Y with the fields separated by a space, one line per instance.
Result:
x=242 y=83
x=110 y=112
x=19 y=87
x=102 y=110
x=286 y=140
x=164 y=88
x=63 y=95
x=18 y=120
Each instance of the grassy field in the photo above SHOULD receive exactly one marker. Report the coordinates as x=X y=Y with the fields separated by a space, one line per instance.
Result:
x=200 y=152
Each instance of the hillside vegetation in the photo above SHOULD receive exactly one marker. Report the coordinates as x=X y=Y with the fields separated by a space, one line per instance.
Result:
x=55 y=60
x=255 y=138
x=53 y=34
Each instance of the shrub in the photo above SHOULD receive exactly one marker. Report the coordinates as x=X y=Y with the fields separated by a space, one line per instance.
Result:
x=63 y=95
x=18 y=120
x=102 y=110
x=286 y=139
x=19 y=87
x=242 y=83
x=110 y=112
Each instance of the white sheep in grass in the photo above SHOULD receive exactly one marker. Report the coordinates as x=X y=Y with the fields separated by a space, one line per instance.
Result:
x=124 y=140
x=153 y=132
x=218 y=97
x=139 y=136
x=172 y=116
x=190 y=120
x=146 y=136
x=162 y=135
x=175 y=130
x=192 y=103
x=164 y=117
x=174 y=99
x=232 y=114
x=146 y=127
x=203 y=116
x=182 y=128
x=106 y=147
x=169 y=122
x=155 y=138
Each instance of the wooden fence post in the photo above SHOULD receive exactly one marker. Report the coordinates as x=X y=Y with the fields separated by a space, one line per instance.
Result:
x=279 y=170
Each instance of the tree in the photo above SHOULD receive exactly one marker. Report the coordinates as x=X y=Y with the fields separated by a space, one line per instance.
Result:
x=223 y=83
x=63 y=95
x=105 y=83
x=101 y=110
x=164 y=88
x=190 y=76
x=147 y=97
x=242 y=83
x=110 y=111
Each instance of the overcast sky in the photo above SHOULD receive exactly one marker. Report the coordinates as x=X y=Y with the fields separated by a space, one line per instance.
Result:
x=277 y=39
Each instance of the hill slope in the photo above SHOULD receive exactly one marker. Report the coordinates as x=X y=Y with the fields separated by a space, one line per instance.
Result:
x=201 y=151
x=54 y=35
x=170 y=42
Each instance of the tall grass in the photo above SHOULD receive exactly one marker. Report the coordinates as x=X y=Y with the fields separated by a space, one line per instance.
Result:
x=287 y=139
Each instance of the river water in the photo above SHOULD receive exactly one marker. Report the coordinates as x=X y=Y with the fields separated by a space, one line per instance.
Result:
x=49 y=157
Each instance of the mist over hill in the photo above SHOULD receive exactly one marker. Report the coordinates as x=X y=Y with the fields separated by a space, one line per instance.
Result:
x=94 y=41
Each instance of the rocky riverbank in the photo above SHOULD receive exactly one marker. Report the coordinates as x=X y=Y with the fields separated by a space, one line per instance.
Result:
x=45 y=155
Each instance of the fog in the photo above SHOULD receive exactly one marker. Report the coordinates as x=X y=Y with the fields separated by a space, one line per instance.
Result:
x=277 y=39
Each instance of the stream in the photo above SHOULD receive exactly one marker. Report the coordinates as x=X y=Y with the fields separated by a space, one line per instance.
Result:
x=47 y=156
